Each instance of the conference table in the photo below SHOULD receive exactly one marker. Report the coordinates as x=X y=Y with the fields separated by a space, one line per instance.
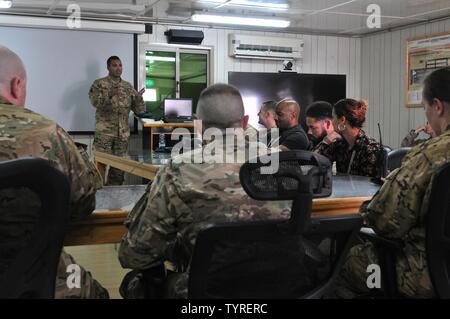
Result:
x=144 y=164
x=106 y=224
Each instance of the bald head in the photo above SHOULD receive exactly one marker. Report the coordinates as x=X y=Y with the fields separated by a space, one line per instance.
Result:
x=288 y=112
x=12 y=77
x=221 y=106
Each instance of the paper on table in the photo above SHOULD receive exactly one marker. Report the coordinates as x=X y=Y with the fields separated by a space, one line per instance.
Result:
x=150 y=121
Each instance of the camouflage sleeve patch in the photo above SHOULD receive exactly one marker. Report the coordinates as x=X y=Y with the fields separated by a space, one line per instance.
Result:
x=98 y=96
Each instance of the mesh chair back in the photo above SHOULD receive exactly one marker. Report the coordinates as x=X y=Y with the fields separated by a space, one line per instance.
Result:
x=298 y=172
x=298 y=258
x=438 y=233
x=32 y=271
x=264 y=260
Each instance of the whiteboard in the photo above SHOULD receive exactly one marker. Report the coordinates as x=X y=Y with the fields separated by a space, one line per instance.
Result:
x=61 y=66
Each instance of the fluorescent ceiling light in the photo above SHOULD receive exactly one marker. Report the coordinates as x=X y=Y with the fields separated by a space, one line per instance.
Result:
x=160 y=58
x=5 y=4
x=249 y=3
x=227 y=19
x=61 y=24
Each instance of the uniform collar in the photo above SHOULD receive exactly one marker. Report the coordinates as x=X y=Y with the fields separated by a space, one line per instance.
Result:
x=114 y=80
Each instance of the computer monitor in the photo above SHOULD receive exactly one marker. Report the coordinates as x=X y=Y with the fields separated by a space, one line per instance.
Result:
x=174 y=108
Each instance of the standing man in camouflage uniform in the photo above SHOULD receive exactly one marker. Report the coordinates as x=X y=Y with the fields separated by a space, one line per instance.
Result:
x=398 y=211
x=185 y=196
x=114 y=98
x=24 y=133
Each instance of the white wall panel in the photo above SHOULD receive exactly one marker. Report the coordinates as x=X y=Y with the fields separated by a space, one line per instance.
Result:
x=382 y=81
x=61 y=66
x=322 y=54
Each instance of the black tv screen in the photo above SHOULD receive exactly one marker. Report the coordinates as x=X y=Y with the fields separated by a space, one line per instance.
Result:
x=256 y=88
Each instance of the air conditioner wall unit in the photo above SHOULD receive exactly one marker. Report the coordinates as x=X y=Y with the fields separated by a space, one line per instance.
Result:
x=267 y=48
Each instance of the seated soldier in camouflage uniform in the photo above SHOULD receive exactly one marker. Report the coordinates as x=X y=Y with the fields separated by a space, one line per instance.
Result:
x=354 y=152
x=184 y=196
x=113 y=99
x=398 y=210
x=24 y=133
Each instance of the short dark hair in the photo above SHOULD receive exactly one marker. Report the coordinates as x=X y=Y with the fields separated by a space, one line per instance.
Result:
x=220 y=105
x=437 y=86
x=110 y=59
x=353 y=110
x=320 y=110
x=269 y=106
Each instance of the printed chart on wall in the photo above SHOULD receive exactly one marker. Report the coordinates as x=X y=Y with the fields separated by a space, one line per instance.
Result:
x=424 y=55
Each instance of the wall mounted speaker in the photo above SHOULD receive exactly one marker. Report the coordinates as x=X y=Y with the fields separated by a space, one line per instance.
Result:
x=184 y=36
x=148 y=28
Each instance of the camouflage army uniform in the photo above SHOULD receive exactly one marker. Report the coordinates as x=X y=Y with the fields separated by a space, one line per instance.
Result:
x=111 y=117
x=398 y=212
x=24 y=133
x=366 y=161
x=411 y=140
x=183 y=198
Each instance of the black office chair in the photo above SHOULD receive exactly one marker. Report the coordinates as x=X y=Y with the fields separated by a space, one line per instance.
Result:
x=437 y=245
x=438 y=233
x=395 y=158
x=31 y=273
x=383 y=162
x=387 y=148
x=297 y=258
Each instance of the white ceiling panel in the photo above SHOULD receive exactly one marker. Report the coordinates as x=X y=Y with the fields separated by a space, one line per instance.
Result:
x=306 y=16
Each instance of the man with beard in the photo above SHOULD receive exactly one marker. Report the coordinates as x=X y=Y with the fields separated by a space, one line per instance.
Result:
x=319 y=121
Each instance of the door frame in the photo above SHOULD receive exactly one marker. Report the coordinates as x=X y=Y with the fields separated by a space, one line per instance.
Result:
x=209 y=51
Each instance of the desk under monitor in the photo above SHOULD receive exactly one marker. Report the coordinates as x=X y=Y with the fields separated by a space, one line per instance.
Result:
x=156 y=126
x=105 y=225
x=144 y=164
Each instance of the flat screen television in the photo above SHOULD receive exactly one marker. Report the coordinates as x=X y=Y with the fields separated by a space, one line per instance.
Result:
x=256 y=88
